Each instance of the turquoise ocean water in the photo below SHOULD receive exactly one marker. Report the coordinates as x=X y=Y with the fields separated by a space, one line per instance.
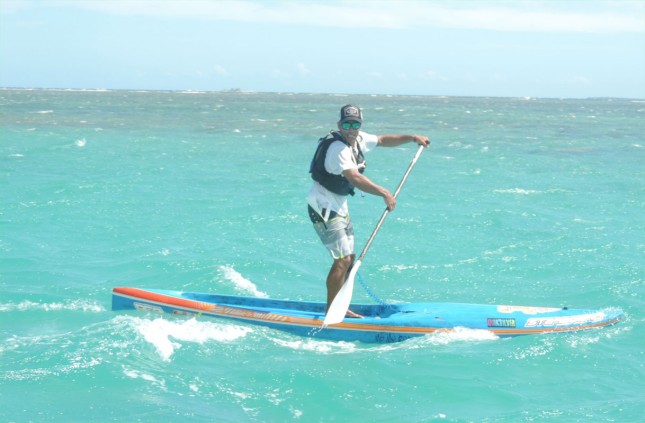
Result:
x=518 y=201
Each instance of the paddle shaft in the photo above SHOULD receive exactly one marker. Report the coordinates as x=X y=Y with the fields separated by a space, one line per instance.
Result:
x=385 y=213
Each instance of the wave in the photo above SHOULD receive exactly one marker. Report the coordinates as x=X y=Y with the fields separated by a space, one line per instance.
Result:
x=167 y=336
x=522 y=191
x=242 y=284
x=164 y=334
x=318 y=346
x=517 y=191
x=76 y=305
x=457 y=335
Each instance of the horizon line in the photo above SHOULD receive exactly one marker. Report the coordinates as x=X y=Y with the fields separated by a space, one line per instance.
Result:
x=242 y=91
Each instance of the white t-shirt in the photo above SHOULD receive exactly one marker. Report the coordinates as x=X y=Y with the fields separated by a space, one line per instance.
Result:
x=339 y=158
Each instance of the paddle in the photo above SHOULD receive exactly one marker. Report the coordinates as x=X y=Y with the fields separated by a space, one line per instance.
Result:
x=340 y=304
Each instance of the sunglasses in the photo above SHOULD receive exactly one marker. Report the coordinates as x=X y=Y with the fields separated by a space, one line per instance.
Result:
x=350 y=125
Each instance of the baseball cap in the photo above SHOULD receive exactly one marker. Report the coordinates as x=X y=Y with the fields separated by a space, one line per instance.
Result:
x=349 y=112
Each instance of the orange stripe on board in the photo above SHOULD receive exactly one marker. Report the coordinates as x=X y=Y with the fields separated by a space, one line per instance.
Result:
x=163 y=299
x=216 y=309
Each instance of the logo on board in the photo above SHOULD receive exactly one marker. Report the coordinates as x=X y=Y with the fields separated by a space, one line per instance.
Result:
x=499 y=322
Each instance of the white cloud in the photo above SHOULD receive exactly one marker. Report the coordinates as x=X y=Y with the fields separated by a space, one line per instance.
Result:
x=433 y=76
x=302 y=69
x=581 y=80
x=279 y=74
x=530 y=15
x=220 y=70
x=13 y=6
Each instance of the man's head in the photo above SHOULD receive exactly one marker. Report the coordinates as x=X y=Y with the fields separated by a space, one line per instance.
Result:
x=351 y=119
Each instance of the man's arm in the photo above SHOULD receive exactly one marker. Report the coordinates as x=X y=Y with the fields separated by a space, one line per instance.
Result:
x=393 y=140
x=366 y=185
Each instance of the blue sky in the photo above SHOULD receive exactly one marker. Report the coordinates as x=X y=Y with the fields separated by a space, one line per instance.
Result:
x=523 y=48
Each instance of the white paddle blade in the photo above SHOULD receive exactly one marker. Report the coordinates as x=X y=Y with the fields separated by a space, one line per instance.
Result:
x=340 y=305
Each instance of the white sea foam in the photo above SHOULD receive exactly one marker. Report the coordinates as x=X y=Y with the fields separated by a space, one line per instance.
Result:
x=455 y=335
x=401 y=267
x=324 y=347
x=458 y=334
x=241 y=283
x=166 y=334
x=76 y=305
x=517 y=191
x=534 y=350
x=138 y=374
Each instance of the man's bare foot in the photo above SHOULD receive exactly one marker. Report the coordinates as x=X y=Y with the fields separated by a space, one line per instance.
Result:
x=353 y=315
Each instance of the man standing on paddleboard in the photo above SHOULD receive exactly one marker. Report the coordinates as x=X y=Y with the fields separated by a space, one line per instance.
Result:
x=336 y=169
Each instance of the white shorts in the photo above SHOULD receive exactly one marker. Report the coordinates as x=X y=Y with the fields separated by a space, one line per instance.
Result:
x=337 y=235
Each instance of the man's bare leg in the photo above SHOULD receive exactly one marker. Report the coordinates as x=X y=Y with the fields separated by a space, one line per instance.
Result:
x=336 y=278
